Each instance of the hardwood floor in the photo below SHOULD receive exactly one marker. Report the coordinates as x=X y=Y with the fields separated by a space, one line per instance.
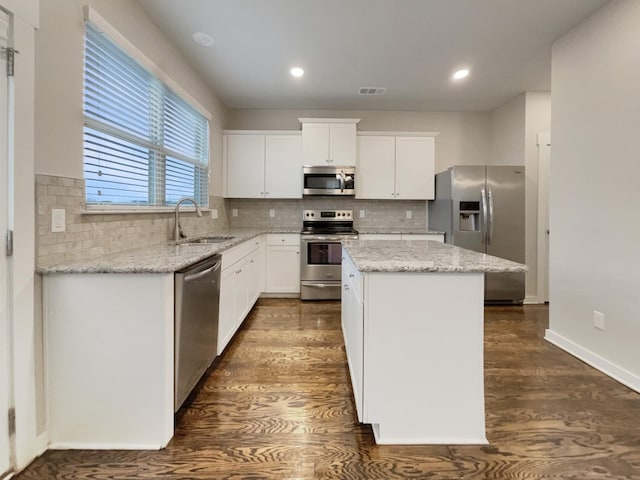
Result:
x=278 y=406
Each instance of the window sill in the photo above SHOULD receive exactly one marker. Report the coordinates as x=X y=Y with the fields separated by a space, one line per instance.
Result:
x=138 y=211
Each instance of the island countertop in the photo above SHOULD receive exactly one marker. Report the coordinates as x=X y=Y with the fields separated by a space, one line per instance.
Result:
x=423 y=256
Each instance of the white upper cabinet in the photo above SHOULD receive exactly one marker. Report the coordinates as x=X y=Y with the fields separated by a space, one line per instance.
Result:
x=244 y=159
x=261 y=165
x=397 y=167
x=329 y=141
x=283 y=167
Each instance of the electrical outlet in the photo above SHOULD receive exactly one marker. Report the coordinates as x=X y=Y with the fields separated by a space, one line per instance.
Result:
x=214 y=213
x=361 y=213
x=409 y=214
x=58 y=220
x=598 y=320
x=272 y=213
x=234 y=212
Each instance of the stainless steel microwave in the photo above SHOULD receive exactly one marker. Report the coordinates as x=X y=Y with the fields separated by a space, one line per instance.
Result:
x=321 y=180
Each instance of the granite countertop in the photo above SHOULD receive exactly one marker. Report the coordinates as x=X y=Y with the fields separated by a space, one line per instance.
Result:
x=159 y=258
x=389 y=231
x=423 y=256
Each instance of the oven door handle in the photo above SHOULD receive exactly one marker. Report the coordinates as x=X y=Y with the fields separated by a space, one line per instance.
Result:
x=320 y=285
x=318 y=238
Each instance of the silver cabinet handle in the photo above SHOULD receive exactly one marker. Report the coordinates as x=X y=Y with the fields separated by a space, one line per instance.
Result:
x=351 y=275
x=346 y=286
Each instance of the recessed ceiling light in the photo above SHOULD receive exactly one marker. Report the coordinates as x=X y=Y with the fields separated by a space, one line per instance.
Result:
x=460 y=74
x=203 y=39
x=297 y=72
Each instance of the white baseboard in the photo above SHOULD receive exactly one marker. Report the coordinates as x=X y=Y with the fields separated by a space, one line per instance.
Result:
x=104 y=446
x=533 y=300
x=610 y=369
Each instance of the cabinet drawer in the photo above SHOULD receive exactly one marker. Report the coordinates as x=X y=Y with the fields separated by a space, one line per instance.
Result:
x=231 y=256
x=352 y=276
x=283 y=239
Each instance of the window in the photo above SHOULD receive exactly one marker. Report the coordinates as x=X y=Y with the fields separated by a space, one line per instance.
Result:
x=143 y=144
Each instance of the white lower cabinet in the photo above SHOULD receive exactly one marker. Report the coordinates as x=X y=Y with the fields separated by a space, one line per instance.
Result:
x=240 y=287
x=283 y=263
x=353 y=329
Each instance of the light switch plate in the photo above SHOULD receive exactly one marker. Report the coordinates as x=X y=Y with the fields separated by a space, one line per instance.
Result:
x=361 y=213
x=409 y=214
x=58 y=220
x=234 y=212
x=214 y=213
x=272 y=213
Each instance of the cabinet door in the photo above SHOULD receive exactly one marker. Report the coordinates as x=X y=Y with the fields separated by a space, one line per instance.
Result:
x=283 y=269
x=342 y=144
x=315 y=143
x=375 y=173
x=241 y=294
x=415 y=168
x=245 y=166
x=227 y=316
x=353 y=332
x=283 y=166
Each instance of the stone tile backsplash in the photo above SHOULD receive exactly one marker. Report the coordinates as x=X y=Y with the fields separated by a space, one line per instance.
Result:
x=90 y=235
x=288 y=213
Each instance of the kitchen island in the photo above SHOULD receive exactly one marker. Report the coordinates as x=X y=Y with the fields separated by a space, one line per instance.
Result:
x=412 y=318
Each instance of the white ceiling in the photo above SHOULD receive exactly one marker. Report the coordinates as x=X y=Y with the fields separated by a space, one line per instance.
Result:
x=409 y=46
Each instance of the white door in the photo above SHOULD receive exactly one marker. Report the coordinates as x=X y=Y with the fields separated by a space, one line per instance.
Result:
x=415 y=163
x=245 y=166
x=342 y=144
x=376 y=167
x=283 y=166
x=5 y=358
x=544 y=157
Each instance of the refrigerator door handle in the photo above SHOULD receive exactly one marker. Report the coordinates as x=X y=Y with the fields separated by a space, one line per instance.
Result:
x=485 y=220
x=490 y=229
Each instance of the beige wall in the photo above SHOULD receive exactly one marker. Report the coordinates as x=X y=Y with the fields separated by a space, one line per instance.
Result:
x=595 y=232
x=465 y=137
x=59 y=56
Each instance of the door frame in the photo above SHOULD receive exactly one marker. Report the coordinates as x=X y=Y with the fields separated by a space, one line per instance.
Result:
x=7 y=441
x=544 y=168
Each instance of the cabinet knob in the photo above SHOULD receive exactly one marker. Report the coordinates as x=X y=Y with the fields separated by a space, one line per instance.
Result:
x=351 y=275
x=346 y=286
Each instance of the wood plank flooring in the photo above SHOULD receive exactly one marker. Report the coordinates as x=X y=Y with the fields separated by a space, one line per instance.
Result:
x=278 y=406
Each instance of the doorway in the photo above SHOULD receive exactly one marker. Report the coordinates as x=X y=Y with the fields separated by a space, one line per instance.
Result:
x=5 y=304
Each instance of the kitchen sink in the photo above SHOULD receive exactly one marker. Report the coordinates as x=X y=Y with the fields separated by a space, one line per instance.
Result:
x=208 y=240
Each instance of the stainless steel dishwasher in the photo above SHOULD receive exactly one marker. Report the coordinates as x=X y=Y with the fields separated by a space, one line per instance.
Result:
x=197 y=297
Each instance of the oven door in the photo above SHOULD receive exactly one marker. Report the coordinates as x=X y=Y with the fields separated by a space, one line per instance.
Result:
x=320 y=269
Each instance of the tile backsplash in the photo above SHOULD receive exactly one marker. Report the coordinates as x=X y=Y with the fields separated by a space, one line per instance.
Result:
x=288 y=213
x=90 y=235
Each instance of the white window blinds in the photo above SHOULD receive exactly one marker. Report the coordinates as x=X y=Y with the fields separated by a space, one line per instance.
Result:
x=143 y=144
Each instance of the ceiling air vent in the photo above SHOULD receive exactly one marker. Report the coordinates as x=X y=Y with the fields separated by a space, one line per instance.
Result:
x=372 y=90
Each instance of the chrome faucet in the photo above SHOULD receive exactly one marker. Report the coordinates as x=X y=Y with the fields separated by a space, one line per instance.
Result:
x=177 y=231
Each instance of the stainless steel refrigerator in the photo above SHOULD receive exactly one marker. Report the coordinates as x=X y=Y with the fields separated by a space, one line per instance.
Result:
x=482 y=208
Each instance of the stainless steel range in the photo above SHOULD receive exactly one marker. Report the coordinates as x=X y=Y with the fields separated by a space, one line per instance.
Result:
x=321 y=252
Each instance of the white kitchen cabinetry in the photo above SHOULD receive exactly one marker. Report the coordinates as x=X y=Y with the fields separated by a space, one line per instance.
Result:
x=329 y=141
x=415 y=353
x=353 y=328
x=239 y=288
x=283 y=263
x=259 y=165
x=397 y=167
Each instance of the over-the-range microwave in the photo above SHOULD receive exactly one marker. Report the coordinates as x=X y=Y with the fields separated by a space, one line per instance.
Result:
x=323 y=180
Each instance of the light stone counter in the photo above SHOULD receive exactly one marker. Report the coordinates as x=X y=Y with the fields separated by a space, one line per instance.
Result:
x=160 y=258
x=423 y=256
x=395 y=231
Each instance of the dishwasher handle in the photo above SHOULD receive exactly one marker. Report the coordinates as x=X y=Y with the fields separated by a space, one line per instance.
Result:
x=204 y=273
